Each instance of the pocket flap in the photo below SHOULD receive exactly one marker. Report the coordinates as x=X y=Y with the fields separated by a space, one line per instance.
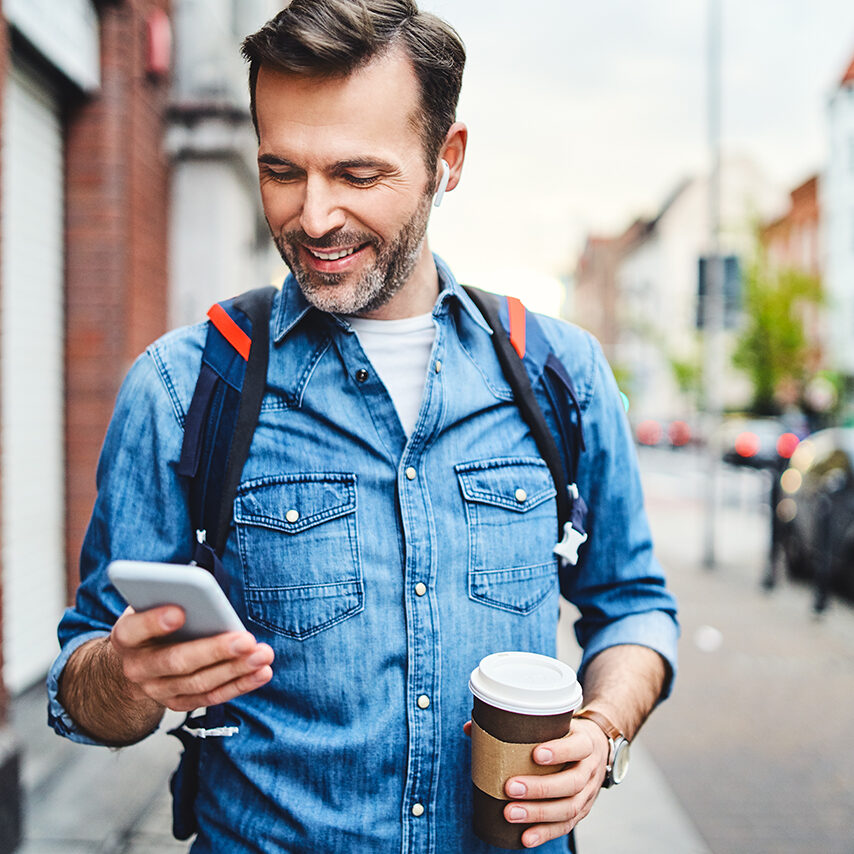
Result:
x=514 y=483
x=293 y=503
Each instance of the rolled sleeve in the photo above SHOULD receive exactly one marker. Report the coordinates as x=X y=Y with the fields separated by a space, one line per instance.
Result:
x=656 y=630
x=140 y=513
x=57 y=715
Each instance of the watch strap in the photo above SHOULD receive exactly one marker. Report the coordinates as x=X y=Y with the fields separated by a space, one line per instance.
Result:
x=602 y=722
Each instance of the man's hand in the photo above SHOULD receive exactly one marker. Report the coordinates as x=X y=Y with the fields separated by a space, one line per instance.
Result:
x=555 y=803
x=186 y=675
x=116 y=688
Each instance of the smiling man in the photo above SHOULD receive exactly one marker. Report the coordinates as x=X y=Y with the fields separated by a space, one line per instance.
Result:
x=347 y=189
x=394 y=521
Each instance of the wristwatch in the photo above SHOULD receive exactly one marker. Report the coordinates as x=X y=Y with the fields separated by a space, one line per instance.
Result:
x=618 y=755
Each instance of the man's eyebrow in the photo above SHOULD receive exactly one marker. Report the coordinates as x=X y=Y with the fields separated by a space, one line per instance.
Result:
x=272 y=160
x=349 y=163
x=365 y=163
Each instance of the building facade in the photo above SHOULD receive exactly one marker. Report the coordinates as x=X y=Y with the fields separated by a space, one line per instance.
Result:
x=651 y=288
x=837 y=205
x=219 y=237
x=794 y=241
x=83 y=287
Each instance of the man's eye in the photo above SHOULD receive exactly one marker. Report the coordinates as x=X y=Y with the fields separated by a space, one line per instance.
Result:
x=281 y=177
x=360 y=181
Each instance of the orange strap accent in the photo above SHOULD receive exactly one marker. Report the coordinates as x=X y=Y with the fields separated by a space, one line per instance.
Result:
x=230 y=330
x=517 y=325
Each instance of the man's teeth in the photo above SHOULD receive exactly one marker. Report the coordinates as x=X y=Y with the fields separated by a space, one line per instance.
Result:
x=332 y=256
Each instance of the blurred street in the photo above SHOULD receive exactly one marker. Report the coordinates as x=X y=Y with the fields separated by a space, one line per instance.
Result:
x=756 y=740
x=751 y=754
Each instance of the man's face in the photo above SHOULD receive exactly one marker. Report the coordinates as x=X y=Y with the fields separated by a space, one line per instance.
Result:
x=344 y=185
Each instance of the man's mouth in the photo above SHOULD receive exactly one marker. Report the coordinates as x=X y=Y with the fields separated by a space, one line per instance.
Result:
x=333 y=255
x=335 y=259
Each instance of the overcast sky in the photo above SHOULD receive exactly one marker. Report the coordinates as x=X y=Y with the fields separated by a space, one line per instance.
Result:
x=583 y=116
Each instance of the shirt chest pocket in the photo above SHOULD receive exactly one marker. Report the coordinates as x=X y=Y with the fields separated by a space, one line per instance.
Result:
x=512 y=525
x=299 y=550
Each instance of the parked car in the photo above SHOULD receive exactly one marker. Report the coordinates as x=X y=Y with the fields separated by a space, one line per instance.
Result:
x=760 y=443
x=675 y=434
x=816 y=511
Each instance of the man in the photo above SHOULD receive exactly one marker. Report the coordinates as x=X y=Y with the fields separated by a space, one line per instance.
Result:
x=394 y=521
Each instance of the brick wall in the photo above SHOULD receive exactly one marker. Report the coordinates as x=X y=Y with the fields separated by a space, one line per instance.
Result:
x=116 y=233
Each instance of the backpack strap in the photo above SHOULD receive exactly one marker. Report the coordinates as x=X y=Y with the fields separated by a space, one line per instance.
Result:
x=218 y=430
x=221 y=419
x=526 y=358
x=510 y=349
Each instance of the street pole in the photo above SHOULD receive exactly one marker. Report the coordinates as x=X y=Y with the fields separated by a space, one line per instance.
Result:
x=713 y=310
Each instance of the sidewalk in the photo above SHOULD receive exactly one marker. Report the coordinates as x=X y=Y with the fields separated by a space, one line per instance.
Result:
x=87 y=800
x=757 y=738
x=642 y=815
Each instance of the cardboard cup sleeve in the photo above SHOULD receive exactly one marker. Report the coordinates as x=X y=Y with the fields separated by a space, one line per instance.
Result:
x=494 y=762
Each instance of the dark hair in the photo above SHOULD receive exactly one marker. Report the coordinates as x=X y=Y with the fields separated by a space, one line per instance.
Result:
x=331 y=38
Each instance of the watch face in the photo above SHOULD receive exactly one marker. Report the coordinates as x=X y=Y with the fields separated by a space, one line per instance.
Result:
x=621 y=762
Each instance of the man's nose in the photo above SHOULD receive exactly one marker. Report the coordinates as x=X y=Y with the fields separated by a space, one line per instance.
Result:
x=321 y=212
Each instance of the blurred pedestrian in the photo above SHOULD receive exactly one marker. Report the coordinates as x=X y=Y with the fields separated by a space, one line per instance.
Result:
x=394 y=521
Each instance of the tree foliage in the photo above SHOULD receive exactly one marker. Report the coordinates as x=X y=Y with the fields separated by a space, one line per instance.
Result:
x=772 y=348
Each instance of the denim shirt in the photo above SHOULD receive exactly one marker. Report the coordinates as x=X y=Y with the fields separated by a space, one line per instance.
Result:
x=406 y=562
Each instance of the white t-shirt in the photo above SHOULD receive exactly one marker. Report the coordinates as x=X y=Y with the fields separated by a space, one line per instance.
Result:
x=400 y=351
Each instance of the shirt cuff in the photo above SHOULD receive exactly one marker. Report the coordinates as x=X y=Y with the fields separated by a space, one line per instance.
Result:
x=57 y=715
x=655 y=630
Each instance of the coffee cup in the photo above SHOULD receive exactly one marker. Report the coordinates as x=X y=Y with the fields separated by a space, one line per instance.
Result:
x=521 y=699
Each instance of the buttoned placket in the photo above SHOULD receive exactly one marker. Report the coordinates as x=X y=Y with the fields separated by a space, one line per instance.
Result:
x=422 y=628
x=423 y=643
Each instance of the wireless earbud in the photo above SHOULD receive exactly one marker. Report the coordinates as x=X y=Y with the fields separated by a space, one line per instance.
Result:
x=443 y=184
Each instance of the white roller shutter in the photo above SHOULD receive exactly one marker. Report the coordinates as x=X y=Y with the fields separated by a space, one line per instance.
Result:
x=31 y=361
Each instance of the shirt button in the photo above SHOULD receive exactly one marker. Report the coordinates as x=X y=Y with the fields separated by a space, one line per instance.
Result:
x=420 y=588
x=361 y=375
x=411 y=473
x=521 y=495
x=292 y=516
x=417 y=810
x=423 y=701
x=438 y=366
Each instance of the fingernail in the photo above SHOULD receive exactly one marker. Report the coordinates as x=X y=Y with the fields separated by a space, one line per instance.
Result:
x=242 y=644
x=532 y=840
x=517 y=814
x=544 y=755
x=516 y=789
x=257 y=658
x=171 y=619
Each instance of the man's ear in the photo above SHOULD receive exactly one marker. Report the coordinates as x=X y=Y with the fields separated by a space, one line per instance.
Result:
x=453 y=152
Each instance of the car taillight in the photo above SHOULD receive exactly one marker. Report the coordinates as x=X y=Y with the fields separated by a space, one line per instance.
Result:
x=786 y=445
x=679 y=433
x=747 y=444
x=649 y=432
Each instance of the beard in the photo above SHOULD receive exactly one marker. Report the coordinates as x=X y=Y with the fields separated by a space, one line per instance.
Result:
x=373 y=287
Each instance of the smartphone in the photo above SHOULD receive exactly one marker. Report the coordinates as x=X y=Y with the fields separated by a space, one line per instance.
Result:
x=148 y=585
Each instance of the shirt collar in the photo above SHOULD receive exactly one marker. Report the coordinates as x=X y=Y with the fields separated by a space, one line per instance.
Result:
x=451 y=289
x=291 y=306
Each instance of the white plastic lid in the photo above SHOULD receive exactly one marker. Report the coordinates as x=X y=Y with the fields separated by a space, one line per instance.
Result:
x=526 y=683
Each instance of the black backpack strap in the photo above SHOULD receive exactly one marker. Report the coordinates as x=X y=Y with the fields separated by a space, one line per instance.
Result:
x=218 y=430
x=256 y=305
x=517 y=375
x=221 y=419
